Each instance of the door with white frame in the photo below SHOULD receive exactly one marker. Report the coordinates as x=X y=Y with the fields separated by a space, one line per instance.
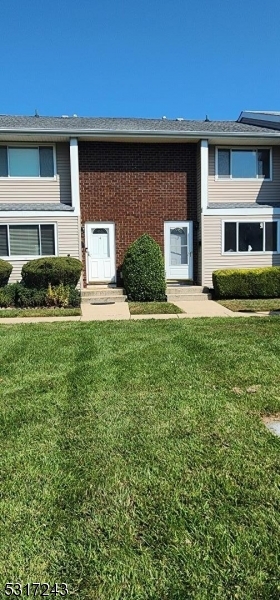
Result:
x=178 y=249
x=101 y=256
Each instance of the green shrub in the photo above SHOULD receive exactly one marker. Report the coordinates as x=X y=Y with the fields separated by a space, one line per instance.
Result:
x=5 y=272
x=74 y=297
x=247 y=283
x=20 y=296
x=8 y=295
x=143 y=271
x=58 y=296
x=52 y=270
x=29 y=297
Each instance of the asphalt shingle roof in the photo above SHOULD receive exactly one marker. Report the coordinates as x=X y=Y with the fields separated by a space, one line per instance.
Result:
x=236 y=205
x=47 y=206
x=93 y=124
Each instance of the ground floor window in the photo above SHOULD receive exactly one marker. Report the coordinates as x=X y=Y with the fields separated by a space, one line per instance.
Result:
x=27 y=240
x=251 y=236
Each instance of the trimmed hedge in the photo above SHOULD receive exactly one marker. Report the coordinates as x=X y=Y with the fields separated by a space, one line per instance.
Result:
x=143 y=271
x=52 y=270
x=8 y=295
x=19 y=296
x=247 y=283
x=5 y=272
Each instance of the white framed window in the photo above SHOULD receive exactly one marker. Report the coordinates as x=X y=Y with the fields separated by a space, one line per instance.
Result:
x=243 y=163
x=24 y=240
x=27 y=161
x=250 y=236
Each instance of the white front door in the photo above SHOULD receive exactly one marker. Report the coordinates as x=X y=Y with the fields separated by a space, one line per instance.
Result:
x=178 y=249
x=100 y=242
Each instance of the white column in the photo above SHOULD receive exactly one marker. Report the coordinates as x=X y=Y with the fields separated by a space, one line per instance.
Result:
x=74 y=170
x=203 y=197
x=204 y=174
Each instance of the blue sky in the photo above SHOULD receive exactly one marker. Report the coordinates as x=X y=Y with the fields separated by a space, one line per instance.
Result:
x=143 y=58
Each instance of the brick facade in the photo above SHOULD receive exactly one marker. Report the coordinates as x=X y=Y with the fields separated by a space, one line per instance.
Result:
x=138 y=186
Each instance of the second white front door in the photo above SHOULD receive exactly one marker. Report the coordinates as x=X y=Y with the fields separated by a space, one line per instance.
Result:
x=178 y=249
x=100 y=240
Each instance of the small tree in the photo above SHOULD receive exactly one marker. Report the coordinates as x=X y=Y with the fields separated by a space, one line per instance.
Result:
x=143 y=271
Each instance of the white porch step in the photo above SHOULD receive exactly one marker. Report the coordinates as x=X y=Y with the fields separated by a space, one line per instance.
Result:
x=185 y=289
x=102 y=299
x=102 y=294
x=185 y=293
x=188 y=297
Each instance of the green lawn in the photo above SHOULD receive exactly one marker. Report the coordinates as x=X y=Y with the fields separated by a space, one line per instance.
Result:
x=154 y=308
x=134 y=463
x=252 y=305
x=39 y=312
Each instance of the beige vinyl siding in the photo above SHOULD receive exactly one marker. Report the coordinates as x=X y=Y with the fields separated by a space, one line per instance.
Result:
x=199 y=216
x=63 y=170
x=67 y=238
x=244 y=191
x=212 y=248
x=37 y=190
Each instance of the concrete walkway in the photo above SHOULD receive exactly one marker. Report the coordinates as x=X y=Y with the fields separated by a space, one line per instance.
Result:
x=120 y=312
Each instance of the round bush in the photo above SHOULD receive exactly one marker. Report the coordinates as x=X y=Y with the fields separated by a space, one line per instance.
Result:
x=5 y=272
x=54 y=270
x=143 y=271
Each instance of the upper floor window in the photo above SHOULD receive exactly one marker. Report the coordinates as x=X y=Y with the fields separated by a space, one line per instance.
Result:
x=239 y=163
x=29 y=161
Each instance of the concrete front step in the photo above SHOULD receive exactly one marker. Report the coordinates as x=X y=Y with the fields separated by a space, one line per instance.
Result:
x=200 y=297
x=186 y=289
x=103 y=299
x=101 y=292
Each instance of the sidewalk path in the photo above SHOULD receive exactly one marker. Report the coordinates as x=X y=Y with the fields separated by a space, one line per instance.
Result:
x=120 y=312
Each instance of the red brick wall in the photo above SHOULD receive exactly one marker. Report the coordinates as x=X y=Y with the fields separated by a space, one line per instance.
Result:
x=138 y=187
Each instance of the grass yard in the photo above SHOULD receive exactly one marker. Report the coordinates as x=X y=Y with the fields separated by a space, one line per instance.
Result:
x=39 y=312
x=252 y=305
x=134 y=463
x=154 y=308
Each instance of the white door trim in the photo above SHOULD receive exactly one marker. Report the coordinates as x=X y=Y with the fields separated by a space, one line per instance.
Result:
x=189 y=270
x=112 y=246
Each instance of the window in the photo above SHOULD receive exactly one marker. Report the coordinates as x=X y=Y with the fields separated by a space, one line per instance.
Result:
x=26 y=162
x=27 y=240
x=178 y=246
x=243 y=163
x=251 y=237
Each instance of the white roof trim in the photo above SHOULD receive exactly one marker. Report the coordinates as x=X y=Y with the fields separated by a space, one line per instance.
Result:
x=79 y=133
x=246 y=212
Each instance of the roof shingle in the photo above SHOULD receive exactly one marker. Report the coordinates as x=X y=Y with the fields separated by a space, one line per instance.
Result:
x=92 y=124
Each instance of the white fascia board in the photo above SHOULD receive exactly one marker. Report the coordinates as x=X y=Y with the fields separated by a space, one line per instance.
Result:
x=36 y=213
x=144 y=133
x=246 y=212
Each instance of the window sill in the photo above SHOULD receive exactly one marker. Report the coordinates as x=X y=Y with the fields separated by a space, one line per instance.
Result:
x=55 y=178
x=28 y=257
x=256 y=179
x=258 y=253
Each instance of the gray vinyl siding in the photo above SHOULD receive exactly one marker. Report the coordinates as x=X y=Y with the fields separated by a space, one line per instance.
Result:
x=247 y=191
x=37 y=190
x=67 y=238
x=270 y=124
x=212 y=248
x=199 y=217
